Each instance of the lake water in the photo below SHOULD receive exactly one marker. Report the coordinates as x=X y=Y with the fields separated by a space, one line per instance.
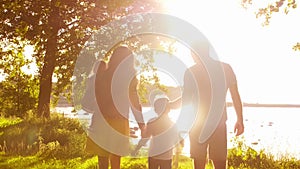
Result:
x=276 y=130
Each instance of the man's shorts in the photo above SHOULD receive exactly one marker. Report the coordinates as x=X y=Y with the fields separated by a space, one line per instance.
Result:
x=215 y=148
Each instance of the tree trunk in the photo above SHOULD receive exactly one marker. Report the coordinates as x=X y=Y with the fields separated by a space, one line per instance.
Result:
x=46 y=87
x=50 y=58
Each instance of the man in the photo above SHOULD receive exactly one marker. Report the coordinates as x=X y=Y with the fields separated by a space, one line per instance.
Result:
x=205 y=88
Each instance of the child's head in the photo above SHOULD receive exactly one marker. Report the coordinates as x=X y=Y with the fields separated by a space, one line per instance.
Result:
x=161 y=104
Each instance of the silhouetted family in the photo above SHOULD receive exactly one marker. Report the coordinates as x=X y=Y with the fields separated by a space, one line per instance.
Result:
x=116 y=92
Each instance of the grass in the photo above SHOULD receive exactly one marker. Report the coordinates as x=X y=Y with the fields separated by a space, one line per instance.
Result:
x=35 y=162
x=58 y=143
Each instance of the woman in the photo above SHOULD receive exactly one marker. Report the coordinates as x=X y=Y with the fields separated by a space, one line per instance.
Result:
x=116 y=92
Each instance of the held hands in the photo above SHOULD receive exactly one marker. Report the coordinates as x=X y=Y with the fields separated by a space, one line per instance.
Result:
x=142 y=141
x=238 y=128
x=133 y=131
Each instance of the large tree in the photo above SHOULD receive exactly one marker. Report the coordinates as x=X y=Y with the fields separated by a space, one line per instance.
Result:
x=58 y=30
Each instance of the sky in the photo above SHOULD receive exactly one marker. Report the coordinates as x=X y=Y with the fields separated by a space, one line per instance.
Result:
x=265 y=65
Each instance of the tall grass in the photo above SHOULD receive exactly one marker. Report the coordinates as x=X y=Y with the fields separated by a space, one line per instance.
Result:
x=59 y=142
x=57 y=137
x=245 y=157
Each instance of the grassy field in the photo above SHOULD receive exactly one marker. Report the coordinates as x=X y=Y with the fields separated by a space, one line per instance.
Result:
x=34 y=162
x=58 y=143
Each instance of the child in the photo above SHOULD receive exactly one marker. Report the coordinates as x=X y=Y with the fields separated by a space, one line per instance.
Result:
x=162 y=133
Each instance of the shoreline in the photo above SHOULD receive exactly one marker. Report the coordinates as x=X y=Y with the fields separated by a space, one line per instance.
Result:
x=230 y=104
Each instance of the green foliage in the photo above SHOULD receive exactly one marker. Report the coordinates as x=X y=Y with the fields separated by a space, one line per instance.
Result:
x=271 y=8
x=6 y=122
x=267 y=12
x=146 y=47
x=59 y=142
x=57 y=137
x=19 y=89
x=58 y=30
x=296 y=47
x=35 y=162
x=184 y=162
x=245 y=157
x=134 y=163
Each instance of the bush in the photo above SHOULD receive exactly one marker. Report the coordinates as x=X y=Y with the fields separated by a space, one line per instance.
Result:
x=18 y=93
x=243 y=156
x=57 y=137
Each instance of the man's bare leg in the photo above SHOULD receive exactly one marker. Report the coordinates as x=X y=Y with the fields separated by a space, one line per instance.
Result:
x=115 y=161
x=199 y=164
